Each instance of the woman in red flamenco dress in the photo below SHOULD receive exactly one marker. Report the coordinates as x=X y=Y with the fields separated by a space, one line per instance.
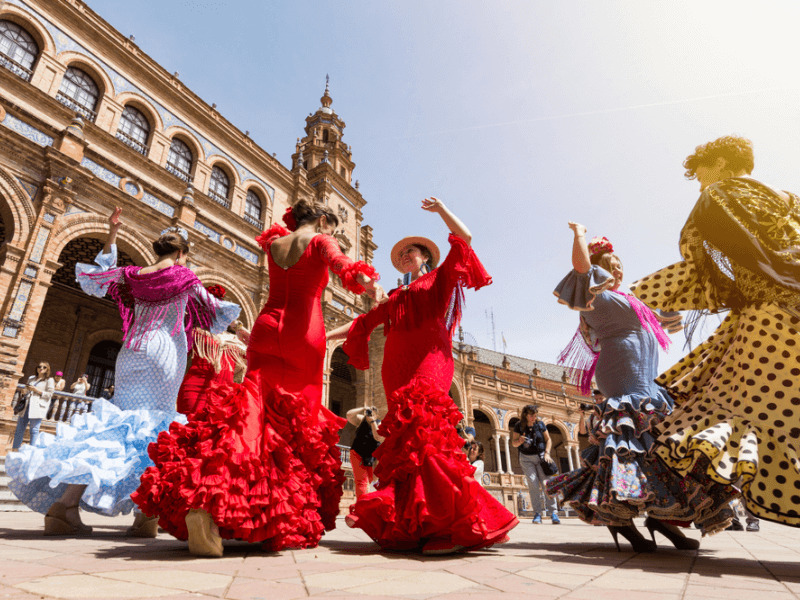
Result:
x=427 y=498
x=262 y=464
x=216 y=358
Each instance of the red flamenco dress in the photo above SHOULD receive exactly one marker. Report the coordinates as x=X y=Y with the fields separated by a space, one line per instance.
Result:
x=262 y=458
x=427 y=497
x=216 y=359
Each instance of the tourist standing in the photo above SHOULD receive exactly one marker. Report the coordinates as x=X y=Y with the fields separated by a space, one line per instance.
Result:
x=531 y=438
x=38 y=390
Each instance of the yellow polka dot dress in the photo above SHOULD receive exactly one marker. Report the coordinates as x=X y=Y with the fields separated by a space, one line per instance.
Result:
x=737 y=410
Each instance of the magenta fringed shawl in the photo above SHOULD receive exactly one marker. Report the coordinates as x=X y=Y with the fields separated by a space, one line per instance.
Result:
x=581 y=354
x=154 y=294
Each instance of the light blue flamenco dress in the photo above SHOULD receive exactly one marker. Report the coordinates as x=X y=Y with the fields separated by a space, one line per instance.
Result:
x=106 y=449
x=619 y=478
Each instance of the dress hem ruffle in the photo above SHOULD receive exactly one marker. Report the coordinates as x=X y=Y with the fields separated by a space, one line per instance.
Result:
x=426 y=488
x=257 y=464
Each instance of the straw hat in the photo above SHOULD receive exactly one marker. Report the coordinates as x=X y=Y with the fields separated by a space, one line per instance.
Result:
x=414 y=240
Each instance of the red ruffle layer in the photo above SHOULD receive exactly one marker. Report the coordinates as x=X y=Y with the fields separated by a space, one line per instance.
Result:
x=255 y=462
x=349 y=273
x=426 y=488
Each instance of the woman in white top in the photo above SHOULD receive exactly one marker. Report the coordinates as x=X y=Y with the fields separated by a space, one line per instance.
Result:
x=81 y=386
x=475 y=456
x=40 y=389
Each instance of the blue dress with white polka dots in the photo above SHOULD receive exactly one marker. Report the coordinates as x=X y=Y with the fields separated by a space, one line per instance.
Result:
x=106 y=449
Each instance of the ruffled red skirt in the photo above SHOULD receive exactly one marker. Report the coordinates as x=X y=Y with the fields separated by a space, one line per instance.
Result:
x=255 y=462
x=199 y=378
x=426 y=490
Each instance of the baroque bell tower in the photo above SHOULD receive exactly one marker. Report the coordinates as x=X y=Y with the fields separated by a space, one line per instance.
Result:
x=324 y=164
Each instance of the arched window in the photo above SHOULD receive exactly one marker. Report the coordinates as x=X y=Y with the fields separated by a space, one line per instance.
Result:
x=79 y=92
x=179 y=161
x=219 y=187
x=18 y=50
x=252 y=209
x=134 y=129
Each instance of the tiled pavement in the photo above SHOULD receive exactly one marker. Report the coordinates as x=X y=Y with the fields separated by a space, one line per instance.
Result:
x=569 y=561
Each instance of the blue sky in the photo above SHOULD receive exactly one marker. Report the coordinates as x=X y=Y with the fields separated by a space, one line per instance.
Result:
x=521 y=116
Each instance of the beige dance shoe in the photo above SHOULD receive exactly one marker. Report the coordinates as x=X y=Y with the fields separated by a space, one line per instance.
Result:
x=204 y=539
x=143 y=526
x=64 y=520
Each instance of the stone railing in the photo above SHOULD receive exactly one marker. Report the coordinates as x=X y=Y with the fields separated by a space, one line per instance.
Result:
x=62 y=405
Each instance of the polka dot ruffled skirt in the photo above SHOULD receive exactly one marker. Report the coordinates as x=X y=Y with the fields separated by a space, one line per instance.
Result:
x=738 y=410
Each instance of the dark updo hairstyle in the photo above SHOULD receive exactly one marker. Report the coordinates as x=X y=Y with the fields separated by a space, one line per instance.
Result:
x=737 y=152
x=170 y=242
x=306 y=212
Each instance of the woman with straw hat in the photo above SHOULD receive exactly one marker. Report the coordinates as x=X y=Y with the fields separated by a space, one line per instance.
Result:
x=427 y=498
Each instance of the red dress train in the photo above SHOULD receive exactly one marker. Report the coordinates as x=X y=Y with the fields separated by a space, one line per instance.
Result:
x=263 y=460
x=426 y=491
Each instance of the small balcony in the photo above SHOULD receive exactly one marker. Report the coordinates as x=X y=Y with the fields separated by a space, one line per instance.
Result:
x=16 y=68
x=87 y=114
x=129 y=141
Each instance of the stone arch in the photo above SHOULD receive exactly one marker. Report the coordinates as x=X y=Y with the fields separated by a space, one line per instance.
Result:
x=559 y=444
x=241 y=297
x=93 y=68
x=16 y=210
x=490 y=414
x=342 y=390
x=89 y=342
x=459 y=397
x=563 y=429
x=145 y=106
x=188 y=138
x=31 y=24
x=224 y=163
x=485 y=428
x=91 y=225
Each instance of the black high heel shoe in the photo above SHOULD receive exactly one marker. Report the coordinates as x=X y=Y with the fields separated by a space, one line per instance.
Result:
x=674 y=535
x=630 y=533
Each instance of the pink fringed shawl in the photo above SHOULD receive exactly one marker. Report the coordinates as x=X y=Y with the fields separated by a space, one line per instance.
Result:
x=154 y=294
x=581 y=354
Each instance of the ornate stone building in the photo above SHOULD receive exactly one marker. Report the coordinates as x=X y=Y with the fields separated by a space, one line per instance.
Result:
x=88 y=121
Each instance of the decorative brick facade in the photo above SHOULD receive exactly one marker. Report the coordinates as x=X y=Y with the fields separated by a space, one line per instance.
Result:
x=64 y=167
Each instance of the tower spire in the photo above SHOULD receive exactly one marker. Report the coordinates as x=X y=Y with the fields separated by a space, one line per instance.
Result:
x=326 y=99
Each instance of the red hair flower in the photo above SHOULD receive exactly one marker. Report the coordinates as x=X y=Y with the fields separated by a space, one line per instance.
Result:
x=216 y=290
x=600 y=245
x=288 y=218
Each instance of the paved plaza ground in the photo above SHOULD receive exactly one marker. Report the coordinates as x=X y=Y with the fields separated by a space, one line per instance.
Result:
x=570 y=561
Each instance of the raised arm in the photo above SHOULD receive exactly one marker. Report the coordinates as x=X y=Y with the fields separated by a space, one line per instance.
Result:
x=356 y=415
x=454 y=224
x=580 y=250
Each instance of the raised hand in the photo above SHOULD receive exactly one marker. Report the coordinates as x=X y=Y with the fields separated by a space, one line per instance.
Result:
x=113 y=220
x=580 y=230
x=433 y=204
